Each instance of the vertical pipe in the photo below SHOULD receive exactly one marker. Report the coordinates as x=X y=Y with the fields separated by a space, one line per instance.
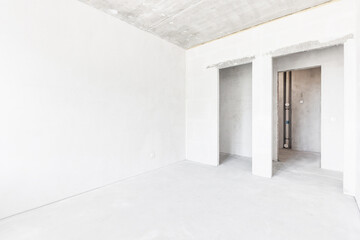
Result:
x=284 y=110
x=290 y=111
x=287 y=85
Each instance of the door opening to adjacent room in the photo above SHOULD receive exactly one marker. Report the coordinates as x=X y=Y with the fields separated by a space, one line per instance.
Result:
x=235 y=114
x=299 y=117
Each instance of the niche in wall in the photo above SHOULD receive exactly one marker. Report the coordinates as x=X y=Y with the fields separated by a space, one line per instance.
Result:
x=236 y=110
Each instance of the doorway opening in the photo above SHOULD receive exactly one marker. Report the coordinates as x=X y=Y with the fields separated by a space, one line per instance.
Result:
x=299 y=117
x=235 y=113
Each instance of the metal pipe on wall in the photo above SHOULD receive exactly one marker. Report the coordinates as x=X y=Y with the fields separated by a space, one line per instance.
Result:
x=287 y=81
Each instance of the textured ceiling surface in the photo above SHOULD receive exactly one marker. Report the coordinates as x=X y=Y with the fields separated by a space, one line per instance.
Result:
x=188 y=23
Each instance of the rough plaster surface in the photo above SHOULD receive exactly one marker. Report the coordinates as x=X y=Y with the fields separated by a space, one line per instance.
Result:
x=302 y=47
x=235 y=110
x=306 y=116
x=188 y=23
x=306 y=110
x=198 y=202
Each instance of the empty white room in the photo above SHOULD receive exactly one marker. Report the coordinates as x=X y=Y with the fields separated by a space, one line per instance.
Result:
x=179 y=119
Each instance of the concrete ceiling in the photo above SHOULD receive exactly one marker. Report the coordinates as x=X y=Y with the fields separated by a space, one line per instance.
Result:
x=188 y=23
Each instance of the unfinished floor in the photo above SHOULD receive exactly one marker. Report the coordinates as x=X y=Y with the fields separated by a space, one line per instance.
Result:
x=187 y=200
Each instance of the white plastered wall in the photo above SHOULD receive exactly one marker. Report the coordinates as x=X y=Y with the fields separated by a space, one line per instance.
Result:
x=235 y=110
x=331 y=61
x=358 y=101
x=85 y=100
x=350 y=117
x=320 y=26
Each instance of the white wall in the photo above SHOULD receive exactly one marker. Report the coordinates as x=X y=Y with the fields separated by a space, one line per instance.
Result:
x=331 y=61
x=350 y=117
x=306 y=110
x=294 y=32
x=235 y=110
x=85 y=100
x=262 y=115
x=358 y=94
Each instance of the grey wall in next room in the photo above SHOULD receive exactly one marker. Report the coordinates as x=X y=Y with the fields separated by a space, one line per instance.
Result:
x=306 y=110
x=235 y=110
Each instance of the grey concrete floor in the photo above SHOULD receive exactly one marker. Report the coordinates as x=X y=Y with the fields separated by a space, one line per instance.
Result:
x=193 y=201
